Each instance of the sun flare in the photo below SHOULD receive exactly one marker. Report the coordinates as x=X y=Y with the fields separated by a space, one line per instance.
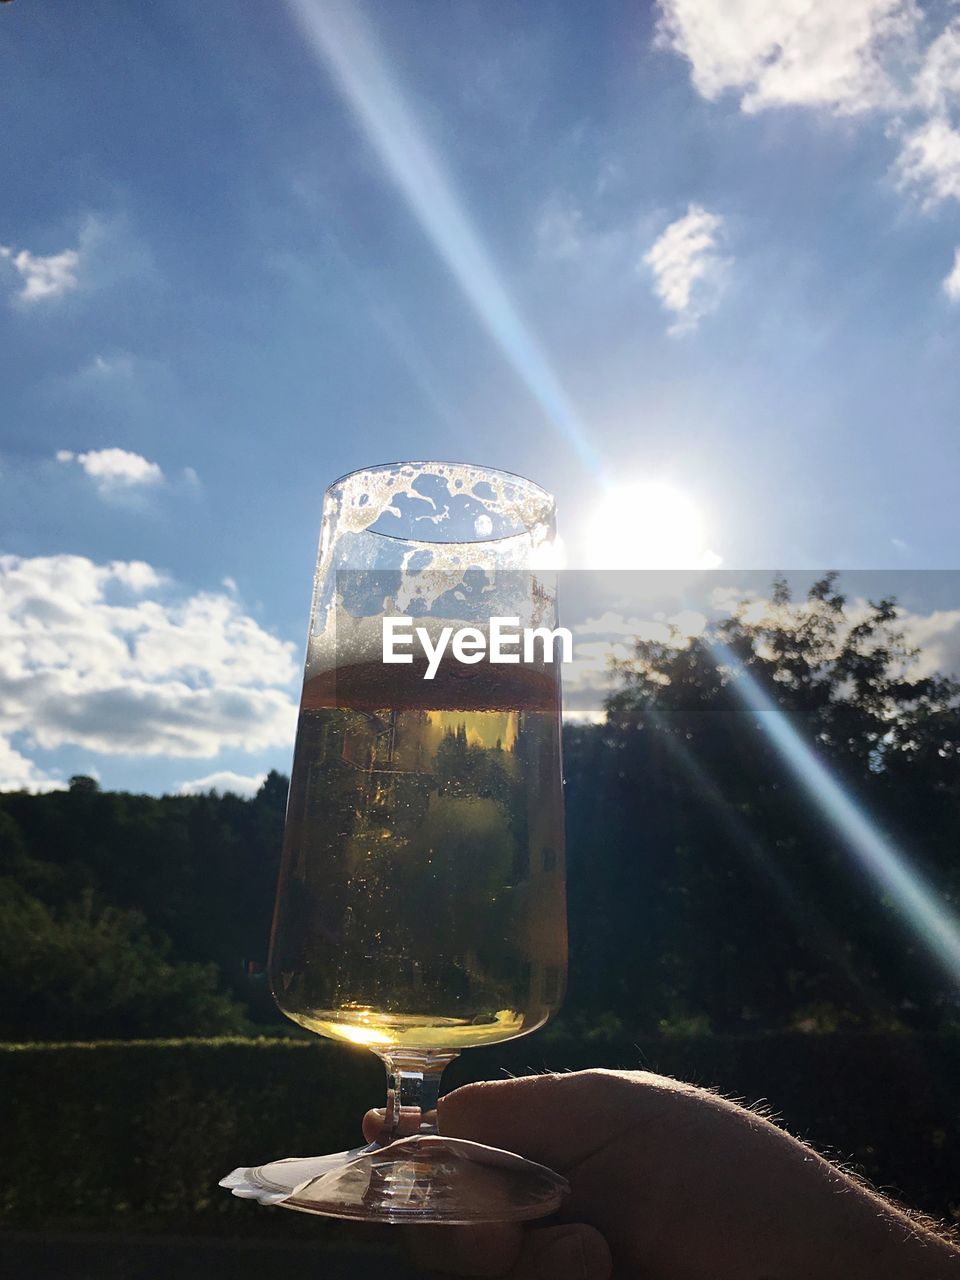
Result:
x=648 y=525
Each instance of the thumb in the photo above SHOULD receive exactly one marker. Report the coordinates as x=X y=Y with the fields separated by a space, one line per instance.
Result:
x=558 y=1120
x=575 y=1252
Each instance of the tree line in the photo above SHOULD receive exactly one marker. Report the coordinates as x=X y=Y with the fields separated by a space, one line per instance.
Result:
x=709 y=891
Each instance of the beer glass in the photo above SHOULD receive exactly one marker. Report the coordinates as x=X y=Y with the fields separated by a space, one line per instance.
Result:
x=420 y=908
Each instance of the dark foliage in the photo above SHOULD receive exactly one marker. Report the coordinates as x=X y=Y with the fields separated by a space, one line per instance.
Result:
x=136 y=1135
x=129 y=915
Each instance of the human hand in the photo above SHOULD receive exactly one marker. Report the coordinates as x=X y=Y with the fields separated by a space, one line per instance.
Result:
x=670 y=1182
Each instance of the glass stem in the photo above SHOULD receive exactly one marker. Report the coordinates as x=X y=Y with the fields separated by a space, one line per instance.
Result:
x=413 y=1085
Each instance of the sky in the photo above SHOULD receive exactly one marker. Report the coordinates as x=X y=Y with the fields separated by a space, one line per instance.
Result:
x=695 y=260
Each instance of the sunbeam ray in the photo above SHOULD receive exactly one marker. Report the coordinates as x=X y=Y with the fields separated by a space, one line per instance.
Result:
x=345 y=42
x=803 y=914
x=934 y=924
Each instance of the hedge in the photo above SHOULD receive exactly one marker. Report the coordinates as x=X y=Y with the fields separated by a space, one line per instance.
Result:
x=120 y=1134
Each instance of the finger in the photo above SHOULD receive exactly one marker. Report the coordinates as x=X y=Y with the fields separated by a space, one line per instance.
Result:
x=563 y=1253
x=558 y=1120
x=373 y=1123
x=486 y=1249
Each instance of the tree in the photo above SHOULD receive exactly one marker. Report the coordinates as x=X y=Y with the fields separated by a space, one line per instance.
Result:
x=81 y=784
x=164 y=899
x=92 y=970
x=730 y=897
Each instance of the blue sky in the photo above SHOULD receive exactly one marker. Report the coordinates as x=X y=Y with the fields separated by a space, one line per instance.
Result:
x=704 y=247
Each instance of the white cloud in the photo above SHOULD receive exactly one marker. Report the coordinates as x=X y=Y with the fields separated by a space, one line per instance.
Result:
x=609 y=635
x=689 y=274
x=117 y=365
x=937 y=85
x=43 y=277
x=136 y=574
x=114 y=468
x=929 y=161
x=584 y=715
x=810 y=53
x=937 y=636
x=590 y=670
x=108 y=252
x=97 y=656
x=686 y=623
x=609 y=624
x=238 y=784
x=854 y=56
x=951 y=285
x=588 y=679
x=725 y=599
x=17 y=773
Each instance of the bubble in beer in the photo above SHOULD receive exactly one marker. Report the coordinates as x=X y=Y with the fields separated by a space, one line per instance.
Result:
x=483 y=526
x=426 y=824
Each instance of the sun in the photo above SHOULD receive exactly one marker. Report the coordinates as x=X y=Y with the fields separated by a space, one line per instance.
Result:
x=647 y=525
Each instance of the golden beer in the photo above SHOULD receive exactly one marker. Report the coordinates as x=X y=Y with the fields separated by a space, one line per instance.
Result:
x=421 y=897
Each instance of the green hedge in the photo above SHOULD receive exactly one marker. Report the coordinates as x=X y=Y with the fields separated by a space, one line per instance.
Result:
x=144 y=1129
x=121 y=1134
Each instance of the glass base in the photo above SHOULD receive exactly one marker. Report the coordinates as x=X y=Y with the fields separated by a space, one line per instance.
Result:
x=421 y=1179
